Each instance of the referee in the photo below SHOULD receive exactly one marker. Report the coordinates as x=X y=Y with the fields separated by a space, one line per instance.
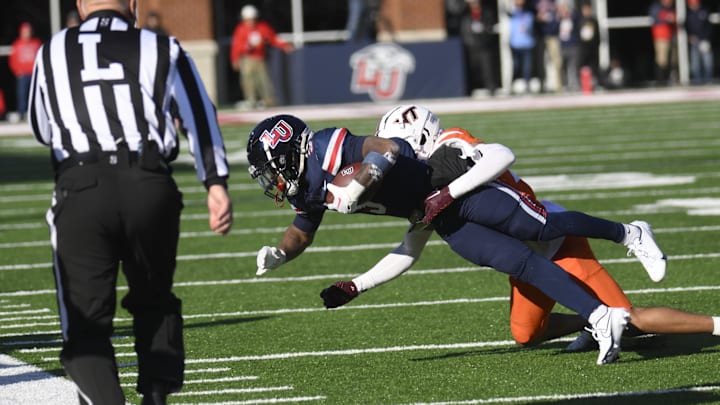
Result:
x=105 y=97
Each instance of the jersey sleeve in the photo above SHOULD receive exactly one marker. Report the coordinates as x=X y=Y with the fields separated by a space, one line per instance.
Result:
x=199 y=119
x=447 y=164
x=308 y=222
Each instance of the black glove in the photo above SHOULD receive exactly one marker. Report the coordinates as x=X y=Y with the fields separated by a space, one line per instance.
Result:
x=339 y=294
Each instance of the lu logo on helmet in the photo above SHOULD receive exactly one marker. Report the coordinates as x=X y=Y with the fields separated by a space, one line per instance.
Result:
x=281 y=132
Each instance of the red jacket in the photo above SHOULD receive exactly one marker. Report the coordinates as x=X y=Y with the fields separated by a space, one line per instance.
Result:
x=252 y=40
x=22 y=56
x=664 y=25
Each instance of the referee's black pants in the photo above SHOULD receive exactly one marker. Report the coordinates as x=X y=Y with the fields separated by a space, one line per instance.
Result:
x=103 y=214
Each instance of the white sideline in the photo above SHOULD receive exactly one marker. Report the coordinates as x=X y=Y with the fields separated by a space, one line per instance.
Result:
x=23 y=383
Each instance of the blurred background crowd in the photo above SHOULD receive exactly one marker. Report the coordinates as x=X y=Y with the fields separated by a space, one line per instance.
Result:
x=260 y=53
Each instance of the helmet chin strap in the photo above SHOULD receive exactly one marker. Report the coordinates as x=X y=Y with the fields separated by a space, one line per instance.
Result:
x=304 y=141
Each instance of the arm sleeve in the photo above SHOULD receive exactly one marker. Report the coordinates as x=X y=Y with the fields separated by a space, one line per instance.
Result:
x=273 y=39
x=238 y=44
x=491 y=160
x=37 y=113
x=200 y=120
x=396 y=262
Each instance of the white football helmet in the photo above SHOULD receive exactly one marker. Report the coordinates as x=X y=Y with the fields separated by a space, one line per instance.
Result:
x=413 y=123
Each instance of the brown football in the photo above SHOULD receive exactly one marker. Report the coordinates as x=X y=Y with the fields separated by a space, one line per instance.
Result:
x=343 y=178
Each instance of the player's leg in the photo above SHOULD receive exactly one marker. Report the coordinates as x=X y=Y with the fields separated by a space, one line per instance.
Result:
x=514 y=213
x=85 y=266
x=529 y=312
x=267 y=91
x=485 y=246
x=577 y=258
x=509 y=211
x=530 y=318
x=673 y=321
x=152 y=216
x=247 y=81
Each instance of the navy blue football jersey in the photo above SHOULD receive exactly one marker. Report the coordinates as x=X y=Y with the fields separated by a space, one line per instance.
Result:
x=401 y=193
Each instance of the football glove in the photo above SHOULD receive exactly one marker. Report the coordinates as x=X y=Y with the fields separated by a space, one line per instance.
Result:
x=269 y=258
x=339 y=294
x=436 y=202
x=345 y=199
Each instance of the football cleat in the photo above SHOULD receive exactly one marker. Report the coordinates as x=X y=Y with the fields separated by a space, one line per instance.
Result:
x=339 y=294
x=607 y=331
x=648 y=252
x=584 y=342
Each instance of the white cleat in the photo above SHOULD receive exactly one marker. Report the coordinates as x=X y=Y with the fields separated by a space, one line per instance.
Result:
x=607 y=331
x=648 y=252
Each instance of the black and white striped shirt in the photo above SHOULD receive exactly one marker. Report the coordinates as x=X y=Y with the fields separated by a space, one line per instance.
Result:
x=106 y=83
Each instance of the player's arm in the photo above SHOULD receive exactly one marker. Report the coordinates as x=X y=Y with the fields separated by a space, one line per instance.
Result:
x=292 y=244
x=379 y=155
x=388 y=268
x=37 y=114
x=396 y=262
x=199 y=119
x=490 y=161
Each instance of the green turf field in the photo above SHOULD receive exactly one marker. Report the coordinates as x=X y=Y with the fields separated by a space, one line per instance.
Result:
x=438 y=334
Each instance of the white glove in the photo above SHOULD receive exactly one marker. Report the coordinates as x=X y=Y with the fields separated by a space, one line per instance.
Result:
x=345 y=199
x=269 y=258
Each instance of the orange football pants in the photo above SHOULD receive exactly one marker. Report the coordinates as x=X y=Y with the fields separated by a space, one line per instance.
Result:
x=530 y=308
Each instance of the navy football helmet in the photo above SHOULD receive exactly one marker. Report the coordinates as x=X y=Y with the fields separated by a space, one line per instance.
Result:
x=277 y=151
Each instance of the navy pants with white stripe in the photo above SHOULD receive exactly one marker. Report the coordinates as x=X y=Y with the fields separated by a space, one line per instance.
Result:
x=489 y=226
x=510 y=212
x=103 y=215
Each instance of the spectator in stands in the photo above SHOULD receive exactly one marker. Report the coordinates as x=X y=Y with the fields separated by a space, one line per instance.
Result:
x=477 y=30
x=664 y=29
x=21 y=61
x=522 y=42
x=548 y=45
x=247 y=55
x=699 y=31
x=363 y=15
x=153 y=22
x=589 y=40
x=569 y=41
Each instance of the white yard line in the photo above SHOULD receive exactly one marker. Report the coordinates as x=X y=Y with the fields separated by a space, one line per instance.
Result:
x=264 y=401
x=317 y=249
x=568 y=397
x=356 y=307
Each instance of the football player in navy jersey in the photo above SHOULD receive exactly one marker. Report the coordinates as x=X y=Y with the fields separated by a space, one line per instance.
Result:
x=290 y=161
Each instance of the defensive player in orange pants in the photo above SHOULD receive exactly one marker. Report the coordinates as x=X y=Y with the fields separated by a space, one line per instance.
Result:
x=532 y=322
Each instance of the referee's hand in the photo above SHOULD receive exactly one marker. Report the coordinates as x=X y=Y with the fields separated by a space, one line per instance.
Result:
x=220 y=209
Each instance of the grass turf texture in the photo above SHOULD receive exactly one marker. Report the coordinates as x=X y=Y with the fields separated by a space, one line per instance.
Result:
x=430 y=336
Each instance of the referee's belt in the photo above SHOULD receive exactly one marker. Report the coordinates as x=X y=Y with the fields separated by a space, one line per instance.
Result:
x=121 y=158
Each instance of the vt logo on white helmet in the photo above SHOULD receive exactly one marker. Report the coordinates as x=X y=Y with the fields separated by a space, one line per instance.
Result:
x=381 y=71
x=415 y=124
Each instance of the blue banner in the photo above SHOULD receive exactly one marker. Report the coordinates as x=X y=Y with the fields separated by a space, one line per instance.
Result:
x=380 y=72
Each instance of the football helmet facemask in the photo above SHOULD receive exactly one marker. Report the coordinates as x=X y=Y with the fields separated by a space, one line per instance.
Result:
x=413 y=123
x=277 y=150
